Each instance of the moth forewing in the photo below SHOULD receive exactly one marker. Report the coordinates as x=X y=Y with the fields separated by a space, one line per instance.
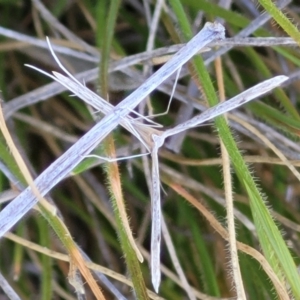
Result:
x=156 y=221
x=242 y=98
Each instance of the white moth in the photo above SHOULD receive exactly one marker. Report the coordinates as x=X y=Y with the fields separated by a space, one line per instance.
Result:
x=152 y=138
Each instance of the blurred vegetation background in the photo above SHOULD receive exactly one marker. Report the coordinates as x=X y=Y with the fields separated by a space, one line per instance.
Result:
x=196 y=258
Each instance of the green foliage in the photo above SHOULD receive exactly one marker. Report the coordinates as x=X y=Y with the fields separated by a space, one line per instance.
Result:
x=267 y=214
